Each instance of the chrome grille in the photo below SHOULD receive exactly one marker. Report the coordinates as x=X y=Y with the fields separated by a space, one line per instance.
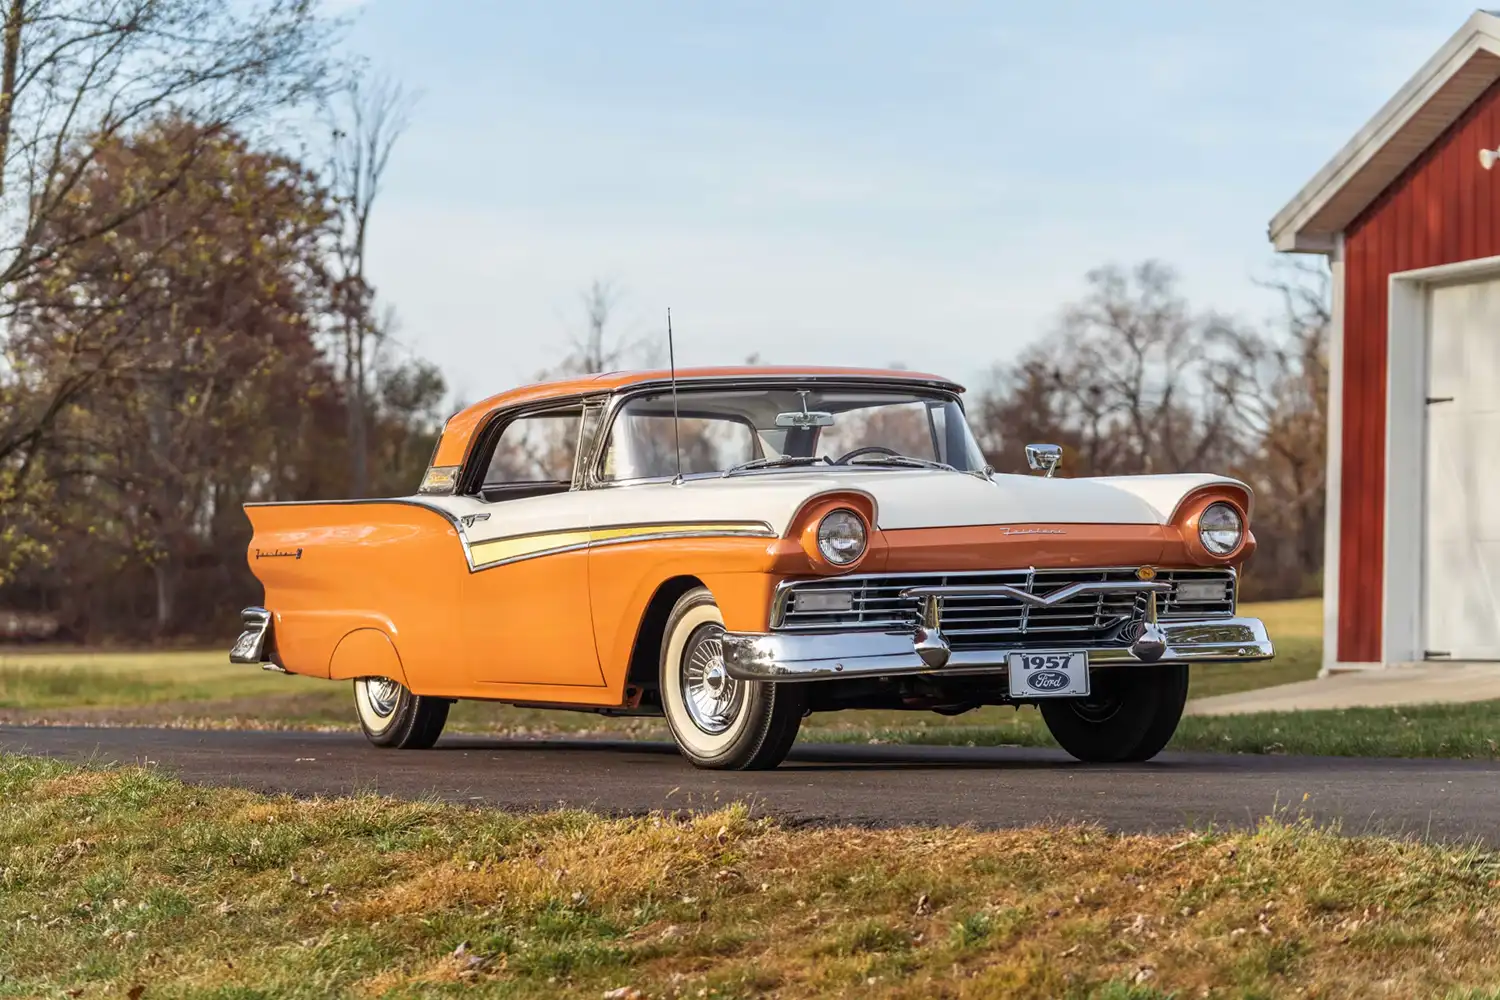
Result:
x=874 y=602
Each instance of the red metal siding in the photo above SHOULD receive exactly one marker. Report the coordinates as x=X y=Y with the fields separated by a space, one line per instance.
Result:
x=1442 y=210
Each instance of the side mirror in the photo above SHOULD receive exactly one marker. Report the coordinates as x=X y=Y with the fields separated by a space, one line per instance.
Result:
x=1044 y=457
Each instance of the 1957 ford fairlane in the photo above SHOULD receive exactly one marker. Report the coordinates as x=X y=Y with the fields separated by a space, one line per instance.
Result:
x=756 y=545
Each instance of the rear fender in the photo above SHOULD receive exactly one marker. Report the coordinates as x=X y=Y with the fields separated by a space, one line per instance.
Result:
x=371 y=575
x=366 y=652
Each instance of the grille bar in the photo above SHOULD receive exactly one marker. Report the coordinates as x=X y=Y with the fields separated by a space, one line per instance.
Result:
x=985 y=619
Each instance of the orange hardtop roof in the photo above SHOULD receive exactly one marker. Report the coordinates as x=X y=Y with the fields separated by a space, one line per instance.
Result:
x=460 y=428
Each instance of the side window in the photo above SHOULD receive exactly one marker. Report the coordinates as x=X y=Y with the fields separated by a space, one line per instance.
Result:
x=536 y=449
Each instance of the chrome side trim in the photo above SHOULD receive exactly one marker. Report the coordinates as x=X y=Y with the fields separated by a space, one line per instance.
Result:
x=599 y=543
x=781 y=656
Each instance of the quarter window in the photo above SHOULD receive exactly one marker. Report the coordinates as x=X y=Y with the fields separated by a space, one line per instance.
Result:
x=535 y=448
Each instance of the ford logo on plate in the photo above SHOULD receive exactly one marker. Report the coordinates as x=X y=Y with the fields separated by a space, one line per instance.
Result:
x=1048 y=680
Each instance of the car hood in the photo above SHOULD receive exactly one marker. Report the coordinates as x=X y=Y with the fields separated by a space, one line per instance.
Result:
x=912 y=498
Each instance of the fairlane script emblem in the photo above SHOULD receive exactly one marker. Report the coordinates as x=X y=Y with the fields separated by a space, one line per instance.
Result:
x=1032 y=531
x=469 y=520
x=278 y=554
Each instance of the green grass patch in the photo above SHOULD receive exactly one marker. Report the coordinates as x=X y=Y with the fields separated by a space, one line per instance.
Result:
x=82 y=679
x=1463 y=731
x=113 y=879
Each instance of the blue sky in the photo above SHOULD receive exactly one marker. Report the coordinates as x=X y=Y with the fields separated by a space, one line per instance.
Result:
x=842 y=182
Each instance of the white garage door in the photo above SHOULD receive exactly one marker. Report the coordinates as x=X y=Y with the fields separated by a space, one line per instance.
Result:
x=1462 y=571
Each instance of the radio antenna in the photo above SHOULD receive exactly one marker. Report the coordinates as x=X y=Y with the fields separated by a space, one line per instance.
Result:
x=676 y=434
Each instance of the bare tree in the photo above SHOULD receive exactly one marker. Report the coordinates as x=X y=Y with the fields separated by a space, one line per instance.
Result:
x=76 y=76
x=599 y=348
x=1276 y=386
x=1119 y=383
x=594 y=353
x=371 y=114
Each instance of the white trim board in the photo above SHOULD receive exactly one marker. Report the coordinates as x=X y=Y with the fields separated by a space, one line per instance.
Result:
x=1333 y=465
x=1407 y=339
x=1432 y=100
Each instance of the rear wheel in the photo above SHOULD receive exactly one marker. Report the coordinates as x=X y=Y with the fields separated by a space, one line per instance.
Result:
x=717 y=721
x=1130 y=715
x=393 y=717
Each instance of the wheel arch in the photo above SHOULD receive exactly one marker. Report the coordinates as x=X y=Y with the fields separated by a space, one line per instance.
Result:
x=366 y=652
x=645 y=653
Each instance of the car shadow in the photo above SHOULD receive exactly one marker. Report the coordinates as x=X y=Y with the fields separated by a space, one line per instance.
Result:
x=820 y=757
x=809 y=757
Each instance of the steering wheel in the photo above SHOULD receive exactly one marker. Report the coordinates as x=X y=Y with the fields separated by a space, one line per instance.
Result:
x=873 y=449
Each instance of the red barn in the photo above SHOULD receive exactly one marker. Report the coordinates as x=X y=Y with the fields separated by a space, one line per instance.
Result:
x=1408 y=214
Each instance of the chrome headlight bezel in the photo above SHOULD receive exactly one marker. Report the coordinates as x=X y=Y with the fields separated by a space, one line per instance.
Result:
x=842 y=537
x=1221 y=528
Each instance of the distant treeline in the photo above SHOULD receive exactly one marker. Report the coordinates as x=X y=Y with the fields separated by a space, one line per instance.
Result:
x=186 y=326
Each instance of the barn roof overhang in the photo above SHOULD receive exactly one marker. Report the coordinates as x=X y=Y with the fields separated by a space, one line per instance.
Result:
x=1390 y=142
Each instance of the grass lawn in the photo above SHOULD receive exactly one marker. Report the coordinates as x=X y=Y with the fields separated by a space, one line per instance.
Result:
x=1468 y=731
x=203 y=689
x=189 y=682
x=123 y=882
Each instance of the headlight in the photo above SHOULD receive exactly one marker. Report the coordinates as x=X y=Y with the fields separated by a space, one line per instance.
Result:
x=841 y=537
x=1220 y=528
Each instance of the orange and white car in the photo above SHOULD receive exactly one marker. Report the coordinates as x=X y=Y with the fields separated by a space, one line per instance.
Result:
x=756 y=545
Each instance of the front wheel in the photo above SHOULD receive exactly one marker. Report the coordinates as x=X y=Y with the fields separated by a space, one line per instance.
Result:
x=1130 y=715
x=717 y=721
x=393 y=717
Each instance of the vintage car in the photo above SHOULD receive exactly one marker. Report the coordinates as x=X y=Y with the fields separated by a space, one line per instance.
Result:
x=734 y=548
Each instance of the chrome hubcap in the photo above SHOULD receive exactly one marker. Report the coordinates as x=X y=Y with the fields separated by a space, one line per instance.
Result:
x=712 y=697
x=383 y=694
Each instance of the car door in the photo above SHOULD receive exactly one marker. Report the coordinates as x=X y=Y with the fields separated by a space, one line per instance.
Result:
x=525 y=603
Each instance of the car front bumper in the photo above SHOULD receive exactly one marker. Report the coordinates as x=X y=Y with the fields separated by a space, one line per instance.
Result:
x=821 y=656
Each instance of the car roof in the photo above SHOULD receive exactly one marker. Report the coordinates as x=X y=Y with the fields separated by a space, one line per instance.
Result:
x=459 y=431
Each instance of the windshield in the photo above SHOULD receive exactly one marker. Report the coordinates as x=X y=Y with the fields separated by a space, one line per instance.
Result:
x=721 y=429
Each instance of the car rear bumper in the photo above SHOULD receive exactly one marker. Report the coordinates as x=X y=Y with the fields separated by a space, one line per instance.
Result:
x=253 y=644
x=815 y=656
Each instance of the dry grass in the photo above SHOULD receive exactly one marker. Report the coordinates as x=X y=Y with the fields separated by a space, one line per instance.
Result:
x=113 y=879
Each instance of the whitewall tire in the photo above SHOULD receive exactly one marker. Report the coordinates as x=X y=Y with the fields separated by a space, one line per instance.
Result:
x=717 y=721
x=391 y=716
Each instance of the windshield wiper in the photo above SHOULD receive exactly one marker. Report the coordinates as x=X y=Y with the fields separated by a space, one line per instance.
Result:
x=906 y=460
x=784 y=462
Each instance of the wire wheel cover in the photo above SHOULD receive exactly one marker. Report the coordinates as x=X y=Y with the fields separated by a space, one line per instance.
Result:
x=713 y=699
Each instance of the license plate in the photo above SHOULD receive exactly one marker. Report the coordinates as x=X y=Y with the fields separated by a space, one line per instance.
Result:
x=1048 y=675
